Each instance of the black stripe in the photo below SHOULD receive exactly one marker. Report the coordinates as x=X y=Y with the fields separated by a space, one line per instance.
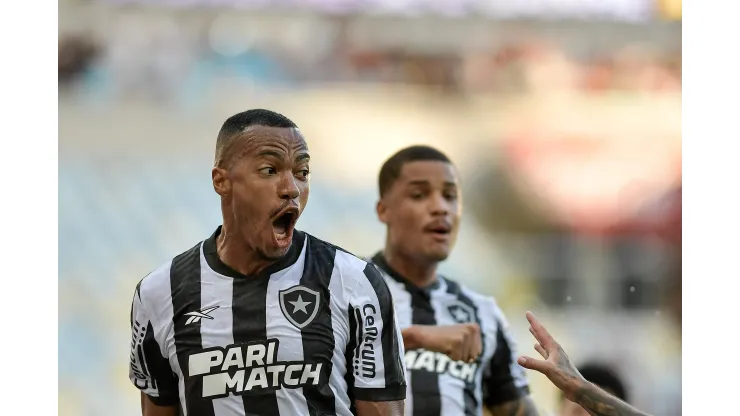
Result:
x=471 y=403
x=185 y=288
x=424 y=384
x=318 y=336
x=249 y=312
x=500 y=386
x=355 y=328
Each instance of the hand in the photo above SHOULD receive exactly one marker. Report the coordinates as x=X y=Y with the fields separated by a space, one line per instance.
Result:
x=460 y=342
x=556 y=364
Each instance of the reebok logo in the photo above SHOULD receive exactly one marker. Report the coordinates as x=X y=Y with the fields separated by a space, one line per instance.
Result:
x=195 y=317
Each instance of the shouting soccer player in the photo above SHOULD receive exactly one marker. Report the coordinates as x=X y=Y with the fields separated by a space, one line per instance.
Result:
x=459 y=354
x=260 y=318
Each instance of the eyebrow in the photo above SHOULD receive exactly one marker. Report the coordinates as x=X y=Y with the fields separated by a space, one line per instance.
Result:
x=270 y=153
x=303 y=156
x=424 y=182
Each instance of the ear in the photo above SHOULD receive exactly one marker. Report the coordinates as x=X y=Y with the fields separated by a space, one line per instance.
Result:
x=221 y=181
x=382 y=210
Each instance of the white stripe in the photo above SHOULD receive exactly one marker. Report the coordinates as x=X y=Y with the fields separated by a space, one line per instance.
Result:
x=290 y=401
x=339 y=306
x=404 y=317
x=156 y=286
x=218 y=290
x=362 y=292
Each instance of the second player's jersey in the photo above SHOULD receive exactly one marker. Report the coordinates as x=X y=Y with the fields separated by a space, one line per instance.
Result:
x=307 y=336
x=438 y=386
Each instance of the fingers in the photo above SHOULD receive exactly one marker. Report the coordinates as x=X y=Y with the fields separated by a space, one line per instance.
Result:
x=540 y=332
x=533 y=364
x=473 y=341
x=542 y=351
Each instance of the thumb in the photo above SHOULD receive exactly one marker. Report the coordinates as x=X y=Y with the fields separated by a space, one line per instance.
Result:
x=533 y=364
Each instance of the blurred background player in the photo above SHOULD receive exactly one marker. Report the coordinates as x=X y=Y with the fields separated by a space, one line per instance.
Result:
x=460 y=356
x=601 y=375
x=563 y=118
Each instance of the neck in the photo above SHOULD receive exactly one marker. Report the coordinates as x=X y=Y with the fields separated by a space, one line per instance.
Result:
x=235 y=253
x=420 y=273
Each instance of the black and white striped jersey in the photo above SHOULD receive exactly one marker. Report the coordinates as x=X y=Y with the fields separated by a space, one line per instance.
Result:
x=437 y=385
x=307 y=336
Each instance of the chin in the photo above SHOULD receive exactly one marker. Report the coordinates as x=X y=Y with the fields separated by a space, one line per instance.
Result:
x=437 y=255
x=275 y=253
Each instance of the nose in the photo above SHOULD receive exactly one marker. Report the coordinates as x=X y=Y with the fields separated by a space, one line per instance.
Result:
x=289 y=188
x=439 y=205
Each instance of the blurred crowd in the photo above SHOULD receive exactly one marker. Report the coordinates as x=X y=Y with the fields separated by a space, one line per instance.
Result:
x=162 y=57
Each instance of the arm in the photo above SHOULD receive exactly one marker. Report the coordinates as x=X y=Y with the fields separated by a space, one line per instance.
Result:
x=505 y=386
x=149 y=371
x=375 y=342
x=461 y=342
x=597 y=402
x=379 y=408
x=148 y=408
x=564 y=375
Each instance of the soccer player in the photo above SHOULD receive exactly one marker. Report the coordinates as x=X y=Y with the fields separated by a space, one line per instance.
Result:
x=260 y=318
x=460 y=356
x=563 y=374
x=603 y=377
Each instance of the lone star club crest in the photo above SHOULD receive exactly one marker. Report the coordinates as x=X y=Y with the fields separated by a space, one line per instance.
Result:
x=461 y=313
x=300 y=305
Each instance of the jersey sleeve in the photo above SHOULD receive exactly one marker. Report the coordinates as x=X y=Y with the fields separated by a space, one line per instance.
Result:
x=375 y=348
x=148 y=369
x=504 y=380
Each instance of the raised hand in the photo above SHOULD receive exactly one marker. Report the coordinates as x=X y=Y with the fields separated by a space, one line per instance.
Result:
x=563 y=374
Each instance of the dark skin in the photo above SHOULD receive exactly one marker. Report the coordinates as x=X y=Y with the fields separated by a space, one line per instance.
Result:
x=263 y=173
x=557 y=367
x=426 y=198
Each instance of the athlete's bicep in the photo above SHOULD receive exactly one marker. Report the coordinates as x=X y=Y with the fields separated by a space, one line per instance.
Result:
x=375 y=348
x=148 y=408
x=394 y=408
x=149 y=371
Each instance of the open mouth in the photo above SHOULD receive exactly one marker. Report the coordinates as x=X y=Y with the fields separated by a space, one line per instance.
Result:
x=440 y=230
x=283 y=225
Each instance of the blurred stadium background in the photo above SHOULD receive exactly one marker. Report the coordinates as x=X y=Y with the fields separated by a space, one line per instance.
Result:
x=564 y=117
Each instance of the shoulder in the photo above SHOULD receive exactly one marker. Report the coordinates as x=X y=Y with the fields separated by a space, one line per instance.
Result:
x=347 y=263
x=354 y=271
x=484 y=303
x=156 y=284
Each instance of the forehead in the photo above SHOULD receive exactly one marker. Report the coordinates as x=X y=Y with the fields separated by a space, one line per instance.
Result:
x=256 y=139
x=428 y=171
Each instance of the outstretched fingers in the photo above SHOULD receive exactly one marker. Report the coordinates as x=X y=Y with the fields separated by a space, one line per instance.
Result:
x=540 y=332
x=534 y=364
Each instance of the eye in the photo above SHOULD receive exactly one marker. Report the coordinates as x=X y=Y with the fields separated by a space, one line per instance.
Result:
x=303 y=173
x=268 y=171
x=450 y=196
x=417 y=196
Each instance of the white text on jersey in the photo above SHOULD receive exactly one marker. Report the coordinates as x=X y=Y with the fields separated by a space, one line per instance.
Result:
x=239 y=369
x=440 y=363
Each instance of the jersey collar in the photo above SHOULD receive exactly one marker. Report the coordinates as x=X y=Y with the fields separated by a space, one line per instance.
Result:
x=379 y=260
x=214 y=262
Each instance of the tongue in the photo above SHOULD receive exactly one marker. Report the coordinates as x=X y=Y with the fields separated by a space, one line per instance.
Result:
x=279 y=227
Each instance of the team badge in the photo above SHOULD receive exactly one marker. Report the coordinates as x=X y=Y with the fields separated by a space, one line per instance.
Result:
x=461 y=313
x=300 y=305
